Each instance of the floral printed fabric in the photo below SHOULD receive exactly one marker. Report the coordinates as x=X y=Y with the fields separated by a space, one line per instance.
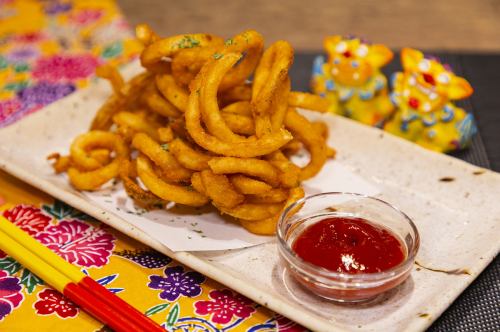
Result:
x=177 y=298
x=48 y=49
x=177 y=283
x=10 y=294
x=78 y=243
x=224 y=305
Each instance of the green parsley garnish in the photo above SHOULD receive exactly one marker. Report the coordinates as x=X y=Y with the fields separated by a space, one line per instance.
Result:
x=229 y=42
x=164 y=146
x=188 y=42
x=217 y=56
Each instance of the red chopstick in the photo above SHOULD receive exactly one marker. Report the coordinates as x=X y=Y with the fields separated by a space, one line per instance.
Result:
x=118 y=321
x=113 y=300
x=70 y=281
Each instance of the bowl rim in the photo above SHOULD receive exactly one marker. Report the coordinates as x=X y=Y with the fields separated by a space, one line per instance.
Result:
x=330 y=276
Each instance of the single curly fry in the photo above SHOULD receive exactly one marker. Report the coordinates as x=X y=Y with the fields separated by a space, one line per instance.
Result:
x=220 y=190
x=252 y=211
x=214 y=71
x=157 y=103
x=239 y=107
x=275 y=195
x=270 y=74
x=145 y=34
x=171 y=169
x=143 y=198
x=268 y=226
x=61 y=163
x=96 y=139
x=175 y=94
x=197 y=183
x=165 y=134
x=304 y=131
x=137 y=123
x=187 y=156
x=113 y=75
x=169 y=192
x=239 y=124
x=247 y=185
x=308 y=101
x=259 y=168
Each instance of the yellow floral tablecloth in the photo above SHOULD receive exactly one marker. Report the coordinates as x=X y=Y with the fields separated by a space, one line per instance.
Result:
x=48 y=49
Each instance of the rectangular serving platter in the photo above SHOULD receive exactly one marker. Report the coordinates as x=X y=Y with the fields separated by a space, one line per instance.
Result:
x=458 y=219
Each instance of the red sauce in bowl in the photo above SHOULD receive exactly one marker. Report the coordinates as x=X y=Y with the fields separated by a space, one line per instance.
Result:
x=349 y=245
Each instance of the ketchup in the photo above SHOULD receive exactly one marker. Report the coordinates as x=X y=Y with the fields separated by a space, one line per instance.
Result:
x=349 y=245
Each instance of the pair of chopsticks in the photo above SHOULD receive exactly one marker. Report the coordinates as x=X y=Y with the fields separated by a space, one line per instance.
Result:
x=75 y=285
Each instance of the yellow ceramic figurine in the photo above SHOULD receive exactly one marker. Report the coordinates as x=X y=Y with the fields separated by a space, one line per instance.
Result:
x=425 y=114
x=352 y=80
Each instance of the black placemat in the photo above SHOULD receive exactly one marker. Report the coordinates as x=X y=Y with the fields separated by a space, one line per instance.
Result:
x=478 y=307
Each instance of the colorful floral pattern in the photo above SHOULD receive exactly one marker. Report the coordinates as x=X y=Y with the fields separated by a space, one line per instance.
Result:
x=78 y=243
x=10 y=294
x=64 y=67
x=52 y=302
x=286 y=325
x=224 y=305
x=29 y=218
x=55 y=49
x=177 y=283
x=150 y=259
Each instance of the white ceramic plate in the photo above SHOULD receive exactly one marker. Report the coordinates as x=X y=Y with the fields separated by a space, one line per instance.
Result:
x=458 y=220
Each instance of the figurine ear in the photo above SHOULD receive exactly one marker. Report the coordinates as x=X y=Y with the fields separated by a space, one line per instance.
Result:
x=330 y=42
x=459 y=88
x=410 y=59
x=379 y=55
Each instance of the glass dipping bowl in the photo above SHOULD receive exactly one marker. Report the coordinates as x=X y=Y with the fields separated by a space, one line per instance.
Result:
x=344 y=287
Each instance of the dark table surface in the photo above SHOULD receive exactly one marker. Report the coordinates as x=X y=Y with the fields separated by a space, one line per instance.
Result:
x=478 y=307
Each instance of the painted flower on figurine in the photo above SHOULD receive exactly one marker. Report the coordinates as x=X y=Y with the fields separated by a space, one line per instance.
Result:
x=78 y=243
x=224 y=305
x=10 y=294
x=29 y=218
x=52 y=302
x=65 y=67
x=43 y=93
x=177 y=283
